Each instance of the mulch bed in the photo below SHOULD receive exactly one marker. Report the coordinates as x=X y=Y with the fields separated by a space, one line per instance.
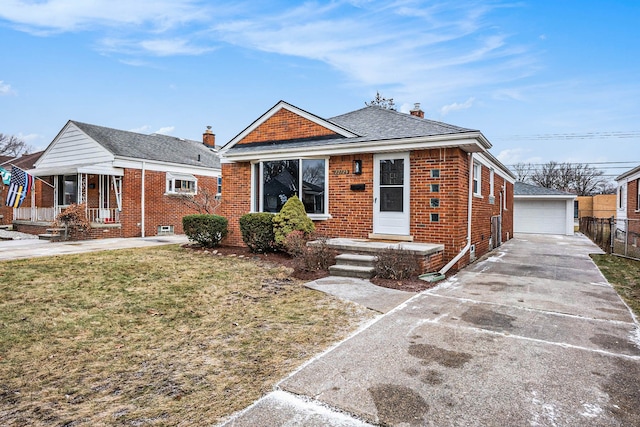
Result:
x=412 y=284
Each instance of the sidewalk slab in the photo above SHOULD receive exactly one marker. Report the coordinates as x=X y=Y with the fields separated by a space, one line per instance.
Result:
x=362 y=292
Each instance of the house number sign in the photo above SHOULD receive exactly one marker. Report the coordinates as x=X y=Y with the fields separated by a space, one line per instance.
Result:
x=341 y=172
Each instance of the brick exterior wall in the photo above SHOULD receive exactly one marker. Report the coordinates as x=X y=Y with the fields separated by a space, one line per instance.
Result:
x=632 y=199
x=285 y=125
x=236 y=198
x=352 y=211
x=160 y=208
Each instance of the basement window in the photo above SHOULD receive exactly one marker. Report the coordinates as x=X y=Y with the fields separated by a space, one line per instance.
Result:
x=181 y=184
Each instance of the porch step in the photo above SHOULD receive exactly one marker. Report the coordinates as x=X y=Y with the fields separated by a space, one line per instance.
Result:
x=352 y=271
x=52 y=234
x=49 y=236
x=354 y=265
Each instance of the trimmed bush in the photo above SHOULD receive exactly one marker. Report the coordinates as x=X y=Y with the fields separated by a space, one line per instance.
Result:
x=291 y=217
x=395 y=264
x=257 y=231
x=207 y=230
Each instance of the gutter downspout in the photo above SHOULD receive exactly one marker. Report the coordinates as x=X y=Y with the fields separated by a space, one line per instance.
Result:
x=142 y=201
x=464 y=250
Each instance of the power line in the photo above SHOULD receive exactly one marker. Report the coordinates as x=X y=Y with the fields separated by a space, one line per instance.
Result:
x=575 y=135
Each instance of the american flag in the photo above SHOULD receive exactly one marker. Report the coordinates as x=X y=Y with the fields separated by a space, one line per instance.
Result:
x=21 y=183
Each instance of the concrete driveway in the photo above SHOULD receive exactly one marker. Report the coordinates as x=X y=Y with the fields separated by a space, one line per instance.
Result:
x=531 y=336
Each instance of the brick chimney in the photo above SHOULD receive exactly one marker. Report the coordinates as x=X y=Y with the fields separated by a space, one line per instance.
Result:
x=209 y=138
x=417 y=111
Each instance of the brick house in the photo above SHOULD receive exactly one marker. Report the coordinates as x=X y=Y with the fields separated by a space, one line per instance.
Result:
x=132 y=184
x=374 y=174
x=24 y=162
x=628 y=204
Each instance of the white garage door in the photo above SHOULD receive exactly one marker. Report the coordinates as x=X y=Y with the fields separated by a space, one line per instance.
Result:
x=540 y=216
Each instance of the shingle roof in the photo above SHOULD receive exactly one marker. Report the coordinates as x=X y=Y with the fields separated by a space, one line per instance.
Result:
x=522 y=189
x=157 y=147
x=628 y=173
x=380 y=123
x=371 y=124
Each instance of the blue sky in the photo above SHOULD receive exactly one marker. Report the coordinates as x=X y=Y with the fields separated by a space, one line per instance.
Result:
x=543 y=80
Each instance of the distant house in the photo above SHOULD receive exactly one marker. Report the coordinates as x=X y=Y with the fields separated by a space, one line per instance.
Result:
x=131 y=184
x=24 y=162
x=628 y=202
x=542 y=210
x=372 y=174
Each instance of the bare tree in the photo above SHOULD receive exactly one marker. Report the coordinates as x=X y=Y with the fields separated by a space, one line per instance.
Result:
x=205 y=202
x=380 y=101
x=522 y=171
x=11 y=145
x=577 y=178
x=587 y=180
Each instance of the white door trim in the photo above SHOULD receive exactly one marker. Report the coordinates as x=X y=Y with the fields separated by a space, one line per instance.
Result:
x=391 y=222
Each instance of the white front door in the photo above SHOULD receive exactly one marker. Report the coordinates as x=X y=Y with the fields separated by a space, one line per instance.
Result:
x=391 y=193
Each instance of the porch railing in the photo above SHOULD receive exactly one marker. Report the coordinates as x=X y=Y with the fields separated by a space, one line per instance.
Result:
x=39 y=214
x=104 y=216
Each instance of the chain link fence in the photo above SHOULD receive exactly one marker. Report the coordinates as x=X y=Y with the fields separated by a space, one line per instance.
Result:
x=614 y=236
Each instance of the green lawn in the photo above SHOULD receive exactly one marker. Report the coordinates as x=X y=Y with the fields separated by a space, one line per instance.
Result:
x=158 y=336
x=624 y=275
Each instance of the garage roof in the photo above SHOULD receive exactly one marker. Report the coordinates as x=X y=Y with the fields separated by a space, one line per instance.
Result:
x=528 y=190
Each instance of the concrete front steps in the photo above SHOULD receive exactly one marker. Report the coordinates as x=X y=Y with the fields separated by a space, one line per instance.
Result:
x=354 y=265
x=52 y=234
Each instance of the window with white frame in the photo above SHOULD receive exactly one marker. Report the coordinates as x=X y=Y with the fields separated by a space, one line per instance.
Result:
x=277 y=180
x=621 y=196
x=181 y=184
x=219 y=190
x=477 y=174
x=638 y=195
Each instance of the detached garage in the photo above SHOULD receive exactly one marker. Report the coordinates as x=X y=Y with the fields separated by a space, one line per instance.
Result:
x=542 y=210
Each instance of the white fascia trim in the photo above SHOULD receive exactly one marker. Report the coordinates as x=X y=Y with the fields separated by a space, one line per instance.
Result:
x=284 y=105
x=383 y=146
x=492 y=163
x=131 y=163
x=552 y=197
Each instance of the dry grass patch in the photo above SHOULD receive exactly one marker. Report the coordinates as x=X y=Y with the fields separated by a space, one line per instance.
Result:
x=624 y=275
x=161 y=336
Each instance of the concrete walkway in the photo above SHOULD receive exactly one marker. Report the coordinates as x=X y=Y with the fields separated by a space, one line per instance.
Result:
x=31 y=248
x=531 y=336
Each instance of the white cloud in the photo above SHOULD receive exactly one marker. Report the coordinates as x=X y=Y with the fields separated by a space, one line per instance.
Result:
x=457 y=107
x=74 y=15
x=517 y=155
x=5 y=89
x=167 y=130
x=141 y=129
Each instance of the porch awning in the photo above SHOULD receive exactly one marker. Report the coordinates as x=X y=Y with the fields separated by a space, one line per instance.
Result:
x=181 y=176
x=73 y=170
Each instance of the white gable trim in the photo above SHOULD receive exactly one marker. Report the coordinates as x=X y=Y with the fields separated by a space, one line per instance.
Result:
x=73 y=147
x=284 y=105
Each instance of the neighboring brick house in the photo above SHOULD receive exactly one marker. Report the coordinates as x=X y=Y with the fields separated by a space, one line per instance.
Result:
x=132 y=184
x=24 y=162
x=628 y=203
x=372 y=174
